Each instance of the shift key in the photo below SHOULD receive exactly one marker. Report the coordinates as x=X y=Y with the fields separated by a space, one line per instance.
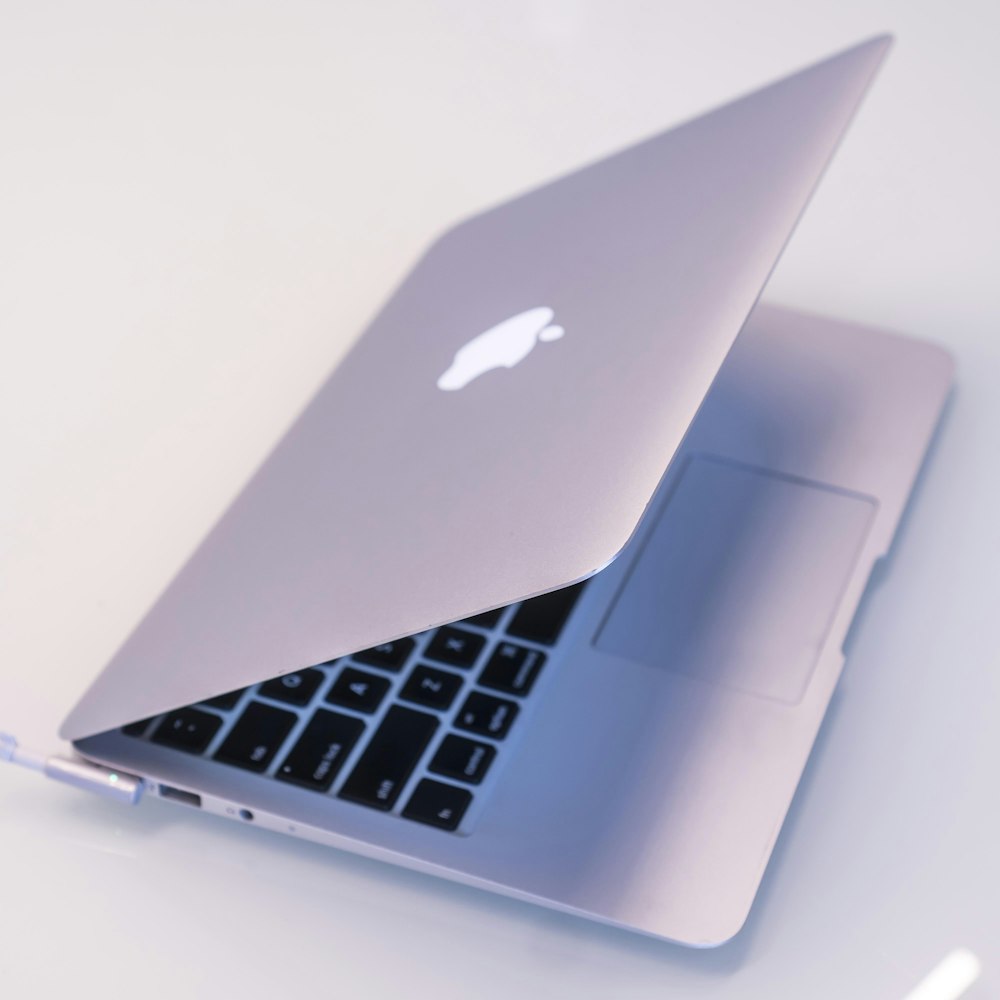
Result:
x=390 y=758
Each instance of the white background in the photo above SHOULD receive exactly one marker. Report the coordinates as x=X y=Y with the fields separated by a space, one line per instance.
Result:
x=200 y=205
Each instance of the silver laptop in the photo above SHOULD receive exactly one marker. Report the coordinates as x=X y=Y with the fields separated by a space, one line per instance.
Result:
x=546 y=590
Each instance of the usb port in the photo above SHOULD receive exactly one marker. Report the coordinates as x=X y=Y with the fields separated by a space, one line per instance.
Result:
x=179 y=795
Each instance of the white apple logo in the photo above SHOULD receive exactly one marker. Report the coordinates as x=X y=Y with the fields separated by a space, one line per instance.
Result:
x=501 y=346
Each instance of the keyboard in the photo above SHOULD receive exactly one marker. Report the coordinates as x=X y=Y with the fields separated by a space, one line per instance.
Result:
x=411 y=727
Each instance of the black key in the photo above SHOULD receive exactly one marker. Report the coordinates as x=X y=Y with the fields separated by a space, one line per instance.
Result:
x=452 y=645
x=430 y=687
x=256 y=737
x=465 y=760
x=136 y=728
x=541 y=619
x=225 y=701
x=437 y=804
x=388 y=656
x=187 y=729
x=389 y=759
x=486 y=715
x=512 y=668
x=488 y=619
x=358 y=690
x=297 y=688
x=321 y=750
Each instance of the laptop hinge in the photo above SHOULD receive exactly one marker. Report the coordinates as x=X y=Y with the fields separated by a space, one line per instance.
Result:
x=75 y=771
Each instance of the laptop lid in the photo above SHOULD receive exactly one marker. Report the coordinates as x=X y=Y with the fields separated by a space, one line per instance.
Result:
x=500 y=427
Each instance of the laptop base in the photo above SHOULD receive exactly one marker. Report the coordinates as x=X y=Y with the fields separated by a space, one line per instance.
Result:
x=649 y=793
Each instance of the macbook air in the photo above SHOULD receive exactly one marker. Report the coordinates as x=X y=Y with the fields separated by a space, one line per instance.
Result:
x=546 y=590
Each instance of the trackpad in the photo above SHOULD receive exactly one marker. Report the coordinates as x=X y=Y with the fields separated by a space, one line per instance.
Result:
x=738 y=582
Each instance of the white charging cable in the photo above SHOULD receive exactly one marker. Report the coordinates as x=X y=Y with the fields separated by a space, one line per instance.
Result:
x=11 y=752
x=75 y=771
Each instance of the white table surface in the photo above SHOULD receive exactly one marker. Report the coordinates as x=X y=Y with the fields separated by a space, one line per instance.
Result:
x=200 y=205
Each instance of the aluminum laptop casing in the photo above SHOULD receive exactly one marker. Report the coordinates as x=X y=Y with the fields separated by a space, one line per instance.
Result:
x=391 y=506
x=649 y=795
x=646 y=795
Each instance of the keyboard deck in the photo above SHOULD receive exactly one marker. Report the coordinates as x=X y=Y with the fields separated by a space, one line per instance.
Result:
x=410 y=727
